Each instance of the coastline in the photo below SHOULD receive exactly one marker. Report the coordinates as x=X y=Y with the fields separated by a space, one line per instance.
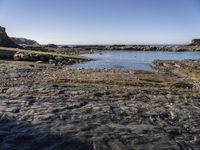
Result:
x=99 y=75
x=46 y=104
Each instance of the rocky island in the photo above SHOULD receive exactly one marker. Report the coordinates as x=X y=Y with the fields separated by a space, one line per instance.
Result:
x=48 y=106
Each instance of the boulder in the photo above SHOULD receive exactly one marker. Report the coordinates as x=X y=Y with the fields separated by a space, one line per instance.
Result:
x=5 y=41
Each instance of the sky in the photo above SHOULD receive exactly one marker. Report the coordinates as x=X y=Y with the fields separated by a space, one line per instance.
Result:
x=102 y=21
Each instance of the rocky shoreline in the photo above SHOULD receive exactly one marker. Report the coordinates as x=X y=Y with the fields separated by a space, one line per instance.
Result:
x=45 y=105
x=180 y=48
x=48 y=107
x=57 y=59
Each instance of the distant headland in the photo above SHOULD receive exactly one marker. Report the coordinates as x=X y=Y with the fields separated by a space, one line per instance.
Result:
x=14 y=42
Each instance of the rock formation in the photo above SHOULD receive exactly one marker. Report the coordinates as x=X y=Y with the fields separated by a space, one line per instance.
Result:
x=25 y=42
x=196 y=42
x=5 y=41
x=51 y=46
x=55 y=59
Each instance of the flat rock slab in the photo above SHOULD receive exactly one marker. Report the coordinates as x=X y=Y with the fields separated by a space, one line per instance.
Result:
x=45 y=107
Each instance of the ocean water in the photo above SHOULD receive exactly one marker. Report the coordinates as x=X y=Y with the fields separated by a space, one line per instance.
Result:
x=135 y=60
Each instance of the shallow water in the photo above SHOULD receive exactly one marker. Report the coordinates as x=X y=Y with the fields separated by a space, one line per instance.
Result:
x=135 y=60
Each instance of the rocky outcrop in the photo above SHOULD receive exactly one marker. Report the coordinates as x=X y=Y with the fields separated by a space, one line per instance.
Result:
x=5 y=41
x=51 y=46
x=134 y=47
x=25 y=42
x=185 y=68
x=196 y=42
x=55 y=59
x=179 y=48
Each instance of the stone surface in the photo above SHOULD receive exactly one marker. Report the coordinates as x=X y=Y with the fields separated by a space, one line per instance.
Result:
x=47 y=107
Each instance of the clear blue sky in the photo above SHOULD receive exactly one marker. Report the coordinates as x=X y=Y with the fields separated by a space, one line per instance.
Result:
x=102 y=21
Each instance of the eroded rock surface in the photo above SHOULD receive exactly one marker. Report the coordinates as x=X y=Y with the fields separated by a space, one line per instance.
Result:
x=45 y=107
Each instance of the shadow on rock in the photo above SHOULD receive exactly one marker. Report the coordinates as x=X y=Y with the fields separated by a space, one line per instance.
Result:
x=23 y=136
